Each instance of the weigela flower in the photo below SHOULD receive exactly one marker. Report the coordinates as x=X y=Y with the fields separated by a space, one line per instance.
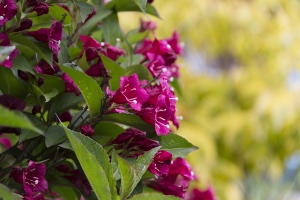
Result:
x=174 y=43
x=159 y=115
x=5 y=141
x=43 y=67
x=8 y=9
x=4 y=41
x=133 y=142
x=32 y=178
x=147 y=25
x=160 y=163
x=87 y=130
x=41 y=8
x=65 y=117
x=197 y=194
x=52 y=36
x=11 y=102
x=130 y=92
x=176 y=182
x=70 y=85
x=97 y=69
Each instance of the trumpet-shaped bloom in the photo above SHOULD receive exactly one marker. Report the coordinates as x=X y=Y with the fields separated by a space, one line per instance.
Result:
x=160 y=163
x=8 y=9
x=4 y=41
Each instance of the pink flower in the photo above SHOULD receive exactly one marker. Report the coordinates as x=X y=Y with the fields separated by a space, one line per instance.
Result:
x=87 y=130
x=176 y=182
x=160 y=163
x=25 y=24
x=5 y=141
x=130 y=92
x=8 y=9
x=32 y=178
x=147 y=25
x=11 y=102
x=41 y=8
x=70 y=85
x=197 y=194
x=4 y=41
x=52 y=36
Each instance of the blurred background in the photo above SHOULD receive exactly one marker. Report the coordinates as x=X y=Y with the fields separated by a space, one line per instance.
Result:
x=240 y=77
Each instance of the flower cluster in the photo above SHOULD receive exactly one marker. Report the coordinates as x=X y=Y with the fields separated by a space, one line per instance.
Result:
x=79 y=97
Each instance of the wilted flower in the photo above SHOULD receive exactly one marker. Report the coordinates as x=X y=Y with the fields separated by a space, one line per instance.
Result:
x=12 y=102
x=130 y=92
x=8 y=9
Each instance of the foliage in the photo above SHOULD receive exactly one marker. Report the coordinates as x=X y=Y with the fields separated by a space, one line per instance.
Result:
x=87 y=109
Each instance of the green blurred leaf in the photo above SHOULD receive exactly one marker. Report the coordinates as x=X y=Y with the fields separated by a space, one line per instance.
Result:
x=95 y=164
x=7 y=194
x=5 y=51
x=102 y=12
x=129 y=120
x=142 y=4
x=114 y=70
x=111 y=29
x=136 y=37
x=55 y=135
x=28 y=134
x=108 y=129
x=21 y=63
x=151 y=196
x=177 y=145
x=88 y=87
x=63 y=55
x=16 y=119
x=128 y=177
x=41 y=48
x=57 y=13
x=142 y=72
x=84 y=9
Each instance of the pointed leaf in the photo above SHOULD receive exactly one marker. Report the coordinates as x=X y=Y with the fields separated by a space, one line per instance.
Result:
x=142 y=4
x=84 y=9
x=177 y=145
x=21 y=63
x=111 y=29
x=55 y=135
x=88 y=87
x=95 y=164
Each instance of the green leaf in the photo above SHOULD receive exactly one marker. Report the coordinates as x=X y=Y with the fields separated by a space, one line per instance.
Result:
x=111 y=29
x=95 y=164
x=51 y=83
x=7 y=194
x=143 y=162
x=16 y=119
x=41 y=48
x=55 y=135
x=84 y=9
x=142 y=72
x=82 y=63
x=114 y=70
x=108 y=129
x=21 y=63
x=10 y=85
x=129 y=120
x=62 y=103
x=63 y=55
x=88 y=87
x=128 y=177
x=102 y=12
x=57 y=13
x=177 y=145
x=136 y=37
x=28 y=134
x=142 y=4
x=5 y=51
x=156 y=196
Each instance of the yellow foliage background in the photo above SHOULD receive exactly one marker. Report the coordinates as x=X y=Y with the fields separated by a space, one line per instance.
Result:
x=241 y=86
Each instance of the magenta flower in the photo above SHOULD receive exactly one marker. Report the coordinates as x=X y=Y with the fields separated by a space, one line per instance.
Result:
x=4 y=41
x=8 y=9
x=52 y=36
x=159 y=115
x=130 y=92
x=91 y=48
x=43 y=67
x=70 y=85
x=174 y=43
x=97 y=69
x=87 y=130
x=5 y=141
x=32 y=178
x=147 y=25
x=160 y=163
x=11 y=102
x=65 y=117
x=197 y=194
x=176 y=182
